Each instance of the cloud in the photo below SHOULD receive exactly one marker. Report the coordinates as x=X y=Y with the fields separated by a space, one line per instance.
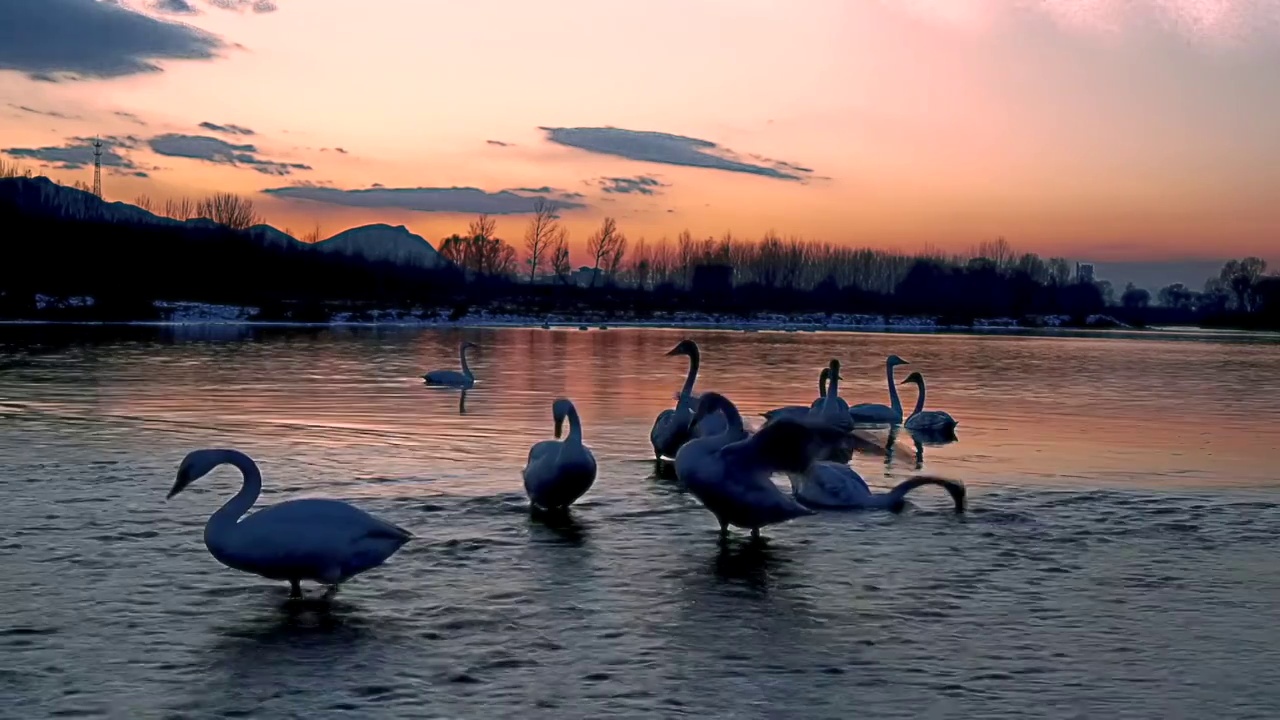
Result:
x=54 y=40
x=221 y=152
x=77 y=154
x=640 y=184
x=498 y=143
x=658 y=147
x=548 y=191
x=227 y=129
x=174 y=7
x=45 y=113
x=442 y=200
x=130 y=117
x=258 y=6
x=340 y=151
x=1198 y=20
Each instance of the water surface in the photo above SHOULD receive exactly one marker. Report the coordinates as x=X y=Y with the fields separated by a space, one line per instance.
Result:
x=1117 y=559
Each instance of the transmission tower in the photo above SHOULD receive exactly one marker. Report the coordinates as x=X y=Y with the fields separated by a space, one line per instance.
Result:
x=97 y=167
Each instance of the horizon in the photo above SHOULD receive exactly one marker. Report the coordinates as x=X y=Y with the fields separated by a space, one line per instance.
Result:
x=1121 y=137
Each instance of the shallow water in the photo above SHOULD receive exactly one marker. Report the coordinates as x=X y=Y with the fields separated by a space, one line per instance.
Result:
x=1117 y=560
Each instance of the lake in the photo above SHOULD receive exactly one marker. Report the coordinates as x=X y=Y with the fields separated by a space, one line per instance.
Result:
x=1118 y=558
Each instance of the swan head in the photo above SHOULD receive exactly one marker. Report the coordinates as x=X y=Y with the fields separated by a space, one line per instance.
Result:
x=894 y=360
x=708 y=403
x=560 y=410
x=684 y=347
x=468 y=345
x=914 y=377
x=194 y=466
x=833 y=371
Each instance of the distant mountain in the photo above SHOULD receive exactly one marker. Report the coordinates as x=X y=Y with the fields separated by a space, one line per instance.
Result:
x=385 y=243
x=379 y=243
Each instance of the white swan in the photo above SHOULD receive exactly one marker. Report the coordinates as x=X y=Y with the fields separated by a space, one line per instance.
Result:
x=831 y=409
x=675 y=427
x=928 y=421
x=729 y=473
x=325 y=541
x=557 y=472
x=836 y=485
x=453 y=378
x=799 y=411
x=877 y=413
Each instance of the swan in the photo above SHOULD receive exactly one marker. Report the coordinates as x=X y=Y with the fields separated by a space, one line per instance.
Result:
x=831 y=409
x=325 y=541
x=799 y=411
x=836 y=485
x=729 y=472
x=464 y=379
x=557 y=472
x=877 y=413
x=923 y=420
x=674 y=427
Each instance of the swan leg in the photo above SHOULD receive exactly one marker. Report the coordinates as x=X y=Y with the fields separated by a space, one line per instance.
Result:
x=295 y=589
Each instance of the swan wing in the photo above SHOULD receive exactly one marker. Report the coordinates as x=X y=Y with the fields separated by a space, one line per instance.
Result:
x=445 y=377
x=540 y=450
x=872 y=412
x=781 y=446
x=323 y=540
x=831 y=484
x=791 y=411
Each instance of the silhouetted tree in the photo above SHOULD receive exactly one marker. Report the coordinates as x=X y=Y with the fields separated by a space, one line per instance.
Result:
x=606 y=247
x=560 y=255
x=539 y=235
x=1135 y=297
x=229 y=209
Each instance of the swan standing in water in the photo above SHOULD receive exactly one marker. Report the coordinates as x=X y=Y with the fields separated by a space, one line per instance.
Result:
x=557 y=472
x=324 y=541
x=927 y=421
x=453 y=378
x=836 y=485
x=729 y=473
x=877 y=413
x=675 y=427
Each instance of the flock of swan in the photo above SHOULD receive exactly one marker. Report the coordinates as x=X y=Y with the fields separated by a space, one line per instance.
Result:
x=717 y=459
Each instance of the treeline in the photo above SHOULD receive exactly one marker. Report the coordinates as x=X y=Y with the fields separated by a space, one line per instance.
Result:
x=125 y=265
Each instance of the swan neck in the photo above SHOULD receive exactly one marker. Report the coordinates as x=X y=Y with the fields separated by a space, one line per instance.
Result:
x=894 y=400
x=822 y=386
x=833 y=394
x=919 y=398
x=687 y=391
x=462 y=356
x=732 y=417
x=575 y=428
x=230 y=513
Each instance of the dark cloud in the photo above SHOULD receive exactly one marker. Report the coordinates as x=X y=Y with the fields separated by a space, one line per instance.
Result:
x=340 y=151
x=130 y=117
x=443 y=200
x=174 y=7
x=498 y=143
x=77 y=153
x=658 y=147
x=227 y=129
x=216 y=150
x=548 y=191
x=45 y=113
x=640 y=184
x=54 y=40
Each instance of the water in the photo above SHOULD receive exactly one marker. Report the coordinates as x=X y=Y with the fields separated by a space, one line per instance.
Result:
x=1118 y=559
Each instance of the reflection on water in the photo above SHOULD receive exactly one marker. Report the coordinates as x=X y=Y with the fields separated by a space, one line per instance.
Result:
x=1117 y=559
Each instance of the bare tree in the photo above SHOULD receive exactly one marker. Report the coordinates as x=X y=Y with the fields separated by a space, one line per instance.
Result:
x=145 y=202
x=606 y=247
x=229 y=209
x=560 y=254
x=313 y=235
x=12 y=169
x=539 y=235
x=179 y=208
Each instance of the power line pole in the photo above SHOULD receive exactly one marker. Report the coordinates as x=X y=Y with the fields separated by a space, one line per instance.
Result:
x=97 y=167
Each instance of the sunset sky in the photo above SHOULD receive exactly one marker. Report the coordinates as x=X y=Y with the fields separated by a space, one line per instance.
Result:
x=1095 y=129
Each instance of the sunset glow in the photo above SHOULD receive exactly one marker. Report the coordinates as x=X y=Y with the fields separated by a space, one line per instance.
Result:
x=1094 y=129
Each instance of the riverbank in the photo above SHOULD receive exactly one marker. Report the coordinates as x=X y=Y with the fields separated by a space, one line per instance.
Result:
x=82 y=311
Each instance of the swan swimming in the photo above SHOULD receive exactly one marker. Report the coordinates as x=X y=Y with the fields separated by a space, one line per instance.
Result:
x=557 y=472
x=453 y=378
x=799 y=411
x=729 y=472
x=831 y=409
x=324 y=541
x=674 y=427
x=928 y=421
x=836 y=485
x=877 y=413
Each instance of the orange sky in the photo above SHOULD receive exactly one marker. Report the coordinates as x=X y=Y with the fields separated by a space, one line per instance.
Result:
x=1100 y=129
